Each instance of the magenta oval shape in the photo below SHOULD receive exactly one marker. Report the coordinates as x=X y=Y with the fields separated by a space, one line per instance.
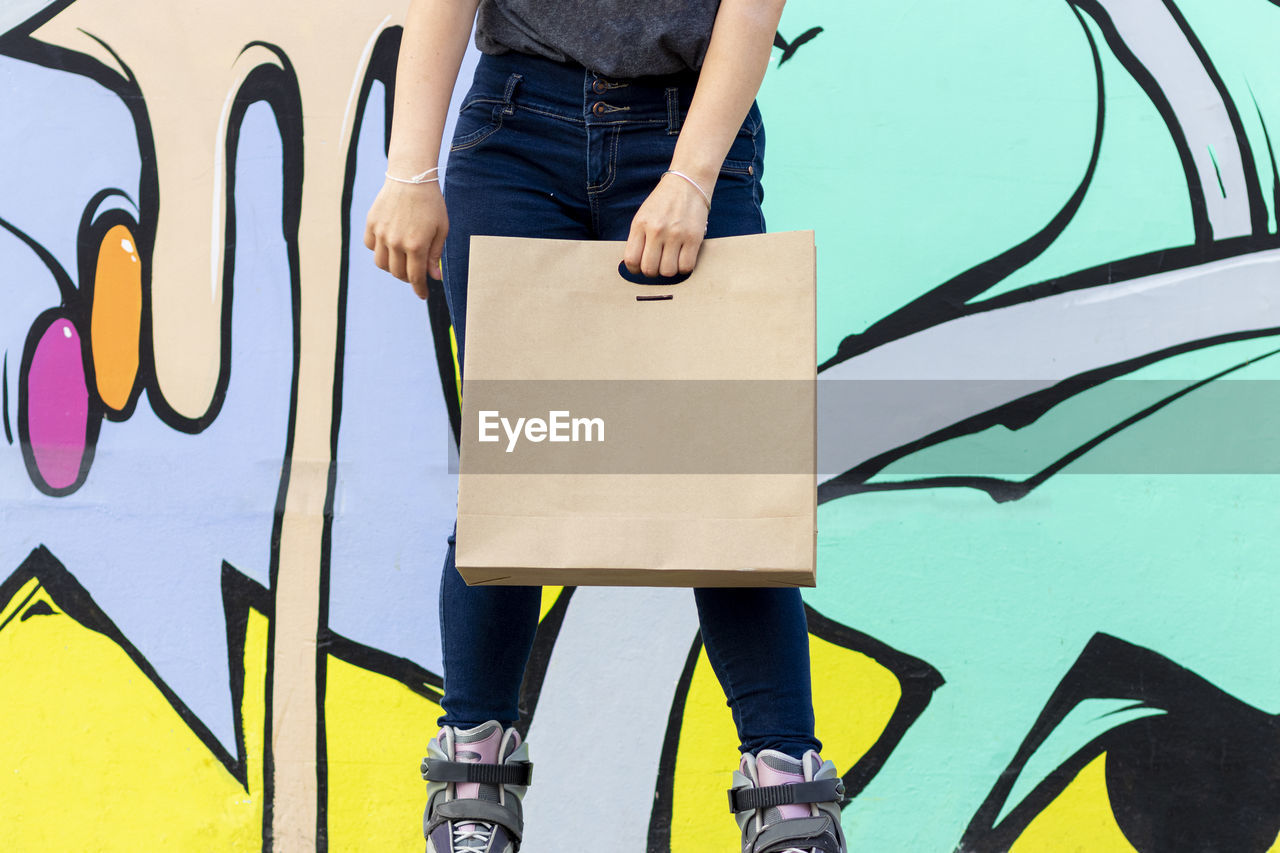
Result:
x=57 y=412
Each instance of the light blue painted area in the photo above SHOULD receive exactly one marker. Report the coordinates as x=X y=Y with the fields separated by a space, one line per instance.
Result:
x=920 y=139
x=27 y=288
x=15 y=12
x=1138 y=200
x=64 y=138
x=161 y=510
x=1002 y=598
x=254 y=421
x=396 y=498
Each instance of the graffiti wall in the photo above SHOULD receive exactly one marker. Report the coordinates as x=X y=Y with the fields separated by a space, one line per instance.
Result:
x=1049 y=292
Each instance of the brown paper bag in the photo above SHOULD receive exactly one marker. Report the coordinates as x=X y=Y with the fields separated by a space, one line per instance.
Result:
x=616 y=433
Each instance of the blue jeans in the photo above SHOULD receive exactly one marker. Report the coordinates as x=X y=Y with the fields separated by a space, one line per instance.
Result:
x=545 y=149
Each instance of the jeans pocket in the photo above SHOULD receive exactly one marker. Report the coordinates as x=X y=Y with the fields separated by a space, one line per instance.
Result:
x=478 y=119
x=742 y=155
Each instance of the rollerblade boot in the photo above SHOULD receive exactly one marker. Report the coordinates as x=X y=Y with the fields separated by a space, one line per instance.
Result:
x=476 y=779
x=785 y=805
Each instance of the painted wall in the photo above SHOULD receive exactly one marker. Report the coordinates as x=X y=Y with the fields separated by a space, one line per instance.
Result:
x=1045 y=618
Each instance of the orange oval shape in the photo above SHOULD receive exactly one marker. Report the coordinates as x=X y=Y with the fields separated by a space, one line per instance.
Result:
x=116 y=319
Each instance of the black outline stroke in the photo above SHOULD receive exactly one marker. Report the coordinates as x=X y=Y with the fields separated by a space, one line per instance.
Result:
x=1271 y=155
x=659 y=837
x=381 y=67
x=1258 y=213
x=239 y=595
x=535 y=671
x=1110 y=668
x=4 y=398
x=949 y=300
x=1021 y=412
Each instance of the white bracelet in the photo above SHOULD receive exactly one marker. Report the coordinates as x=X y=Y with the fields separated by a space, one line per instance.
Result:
x=696 y=185
x=416 y=179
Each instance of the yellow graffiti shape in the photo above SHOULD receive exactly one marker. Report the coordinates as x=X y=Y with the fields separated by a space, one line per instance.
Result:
x=376 y=731
x=95 y=758
x=550 y=595
x=1079 y=820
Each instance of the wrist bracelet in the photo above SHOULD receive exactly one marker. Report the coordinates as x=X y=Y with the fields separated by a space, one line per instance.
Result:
x=416 y=179
x=696 y=185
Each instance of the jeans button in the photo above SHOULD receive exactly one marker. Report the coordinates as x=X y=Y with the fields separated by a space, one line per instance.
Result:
x=599 y=109
x=599 y=87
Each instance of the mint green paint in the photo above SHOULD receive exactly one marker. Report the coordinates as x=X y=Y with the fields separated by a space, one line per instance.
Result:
x=919 y=139
x=1001 y=599
x=1138 y=200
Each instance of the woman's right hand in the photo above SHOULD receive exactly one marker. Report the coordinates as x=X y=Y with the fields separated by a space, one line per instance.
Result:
x=405 y=228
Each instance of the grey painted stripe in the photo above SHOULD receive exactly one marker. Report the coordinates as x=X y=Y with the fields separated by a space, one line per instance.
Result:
x=1037 y=343
x=596 y=738
x=1152 y=34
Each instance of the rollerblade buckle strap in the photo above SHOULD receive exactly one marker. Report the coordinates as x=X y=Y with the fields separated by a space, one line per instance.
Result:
x=802 y=833
x=511 y=773
x=477 y=810
x=821 y=791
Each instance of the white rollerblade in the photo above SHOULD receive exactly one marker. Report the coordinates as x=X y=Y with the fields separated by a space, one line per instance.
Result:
x=785 y=805
x=476 y=779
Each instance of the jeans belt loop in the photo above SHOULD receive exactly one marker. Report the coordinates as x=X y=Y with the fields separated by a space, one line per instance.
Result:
x=673 y=110
x=512 y=81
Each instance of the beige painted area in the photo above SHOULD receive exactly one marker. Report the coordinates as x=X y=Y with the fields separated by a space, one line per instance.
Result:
x=189 y=59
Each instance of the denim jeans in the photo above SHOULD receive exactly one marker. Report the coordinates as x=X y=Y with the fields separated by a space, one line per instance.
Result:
x=548 y=149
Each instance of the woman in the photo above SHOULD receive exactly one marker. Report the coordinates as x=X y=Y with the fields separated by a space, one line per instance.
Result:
x=612 y=120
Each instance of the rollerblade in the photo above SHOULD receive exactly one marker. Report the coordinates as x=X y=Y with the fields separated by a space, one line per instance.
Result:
x=476 y=779
x=788 y=805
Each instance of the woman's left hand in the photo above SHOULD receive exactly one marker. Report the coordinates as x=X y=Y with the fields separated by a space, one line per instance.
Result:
x=667 y=230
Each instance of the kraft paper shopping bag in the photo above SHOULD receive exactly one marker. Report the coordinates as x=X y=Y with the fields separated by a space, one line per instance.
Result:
x=624 y=433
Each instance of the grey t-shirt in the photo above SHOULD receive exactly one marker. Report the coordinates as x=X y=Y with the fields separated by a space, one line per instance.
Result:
x=614 y=38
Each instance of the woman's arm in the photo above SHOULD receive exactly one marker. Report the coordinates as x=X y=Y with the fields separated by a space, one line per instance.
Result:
x=667 y=230
x=407 y=223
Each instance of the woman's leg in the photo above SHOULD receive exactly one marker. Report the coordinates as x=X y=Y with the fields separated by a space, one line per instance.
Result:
x=758 y=644
x=504 y=178
x=486 y=634
x=756 y=639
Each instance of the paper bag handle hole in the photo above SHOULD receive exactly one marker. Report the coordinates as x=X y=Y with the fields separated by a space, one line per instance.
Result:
x=640 y=278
